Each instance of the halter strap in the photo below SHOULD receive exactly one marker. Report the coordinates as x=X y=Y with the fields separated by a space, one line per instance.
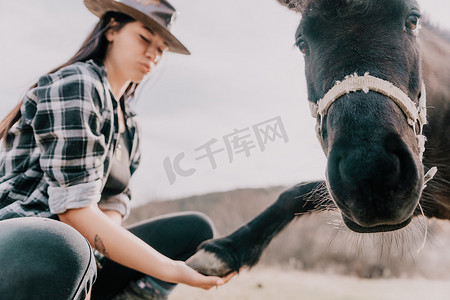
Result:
x=415 y=115
x=366 y=83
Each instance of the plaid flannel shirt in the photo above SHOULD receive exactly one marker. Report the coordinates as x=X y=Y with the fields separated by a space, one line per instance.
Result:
x=57 y=157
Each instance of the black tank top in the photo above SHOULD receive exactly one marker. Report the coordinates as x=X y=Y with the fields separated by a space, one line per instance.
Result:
x=119 y=176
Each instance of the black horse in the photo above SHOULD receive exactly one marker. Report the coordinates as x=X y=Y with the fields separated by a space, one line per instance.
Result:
x=370 y=66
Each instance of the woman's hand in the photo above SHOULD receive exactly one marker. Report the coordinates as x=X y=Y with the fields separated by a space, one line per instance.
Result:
x=193 y=278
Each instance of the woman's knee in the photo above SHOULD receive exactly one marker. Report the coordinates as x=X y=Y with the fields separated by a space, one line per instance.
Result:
x=187 y=222
x=44 y=259
x=201 y=224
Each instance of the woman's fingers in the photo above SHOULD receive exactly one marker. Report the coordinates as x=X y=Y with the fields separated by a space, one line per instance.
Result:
x=228 y=277
x=217 y=281
x=201 y=281
x=211 y=281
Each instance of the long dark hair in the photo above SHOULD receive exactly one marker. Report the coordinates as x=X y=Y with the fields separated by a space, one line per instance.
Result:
x=94 y=47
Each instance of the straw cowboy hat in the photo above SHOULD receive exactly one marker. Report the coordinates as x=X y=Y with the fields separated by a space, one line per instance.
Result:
x=155 y=14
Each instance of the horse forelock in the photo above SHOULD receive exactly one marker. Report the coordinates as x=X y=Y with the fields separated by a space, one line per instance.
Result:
x=342 y=7
x=324 y=5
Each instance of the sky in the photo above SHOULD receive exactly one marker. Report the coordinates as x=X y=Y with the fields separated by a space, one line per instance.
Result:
x=243 y=85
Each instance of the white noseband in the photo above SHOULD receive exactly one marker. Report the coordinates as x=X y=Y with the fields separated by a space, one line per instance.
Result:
x=352 y=83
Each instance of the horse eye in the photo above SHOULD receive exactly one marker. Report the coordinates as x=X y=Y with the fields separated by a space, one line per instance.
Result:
x=302 y=46
x=412 y=22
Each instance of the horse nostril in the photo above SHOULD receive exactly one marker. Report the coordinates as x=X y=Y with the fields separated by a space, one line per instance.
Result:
x=381 y=171
x=345 y=172
x=392 y=171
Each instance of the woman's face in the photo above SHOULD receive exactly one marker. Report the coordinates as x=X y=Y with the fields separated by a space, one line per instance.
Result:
x=133 y=51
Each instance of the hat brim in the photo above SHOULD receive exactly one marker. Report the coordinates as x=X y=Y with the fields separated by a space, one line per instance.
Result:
x=100 y=7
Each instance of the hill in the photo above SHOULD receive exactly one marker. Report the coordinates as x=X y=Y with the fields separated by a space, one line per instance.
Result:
x=320 y=242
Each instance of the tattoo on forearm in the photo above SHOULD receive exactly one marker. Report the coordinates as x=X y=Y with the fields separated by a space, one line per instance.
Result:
x=98 y=244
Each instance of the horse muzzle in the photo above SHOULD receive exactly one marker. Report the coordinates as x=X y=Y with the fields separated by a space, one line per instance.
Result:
x=381 y=193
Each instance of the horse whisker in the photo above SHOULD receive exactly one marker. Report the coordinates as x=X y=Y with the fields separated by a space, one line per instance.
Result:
x=426 y=231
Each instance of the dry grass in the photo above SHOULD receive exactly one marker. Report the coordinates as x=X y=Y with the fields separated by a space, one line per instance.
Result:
x=274 y=283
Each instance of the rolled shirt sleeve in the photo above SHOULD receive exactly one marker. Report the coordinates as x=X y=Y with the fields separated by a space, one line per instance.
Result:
x=76 y=196
x=119 y=203
x=69 y=128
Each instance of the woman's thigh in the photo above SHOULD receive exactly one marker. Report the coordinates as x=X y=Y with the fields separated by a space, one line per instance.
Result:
x=175 y=235
x=44 y=259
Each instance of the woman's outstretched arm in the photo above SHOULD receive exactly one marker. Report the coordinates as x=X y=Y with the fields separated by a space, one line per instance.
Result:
x=120 y=245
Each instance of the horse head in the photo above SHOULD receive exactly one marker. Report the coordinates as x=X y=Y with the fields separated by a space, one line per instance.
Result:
x=366 y=89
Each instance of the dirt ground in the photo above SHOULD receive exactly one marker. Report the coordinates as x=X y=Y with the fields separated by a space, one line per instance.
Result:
x=271 y=283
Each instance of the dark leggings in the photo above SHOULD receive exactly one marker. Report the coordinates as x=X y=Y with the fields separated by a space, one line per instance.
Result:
x=46 y=259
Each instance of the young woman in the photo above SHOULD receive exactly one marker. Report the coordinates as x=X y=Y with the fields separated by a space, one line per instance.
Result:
x=68 y=152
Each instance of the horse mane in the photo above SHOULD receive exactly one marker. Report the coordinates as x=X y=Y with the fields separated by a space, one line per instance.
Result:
x=326 y=5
